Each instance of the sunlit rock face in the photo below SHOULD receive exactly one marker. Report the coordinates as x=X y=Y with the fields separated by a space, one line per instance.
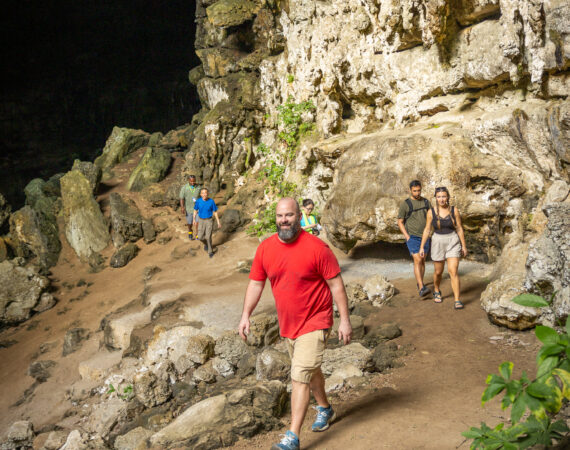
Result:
x=470 y=94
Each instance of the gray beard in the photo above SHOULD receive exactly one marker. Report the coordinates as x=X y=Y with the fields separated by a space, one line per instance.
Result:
x=289 y=233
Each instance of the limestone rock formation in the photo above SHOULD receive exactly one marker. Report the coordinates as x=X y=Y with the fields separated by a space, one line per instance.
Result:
x=152 y=168
x=121 y=143
x=35 y=234
x=20 y=435
x=85 y=227
x=21 y=289
x=126 y=220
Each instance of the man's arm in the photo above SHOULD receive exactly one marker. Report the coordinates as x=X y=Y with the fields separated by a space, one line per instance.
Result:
x=336 y=286
x=217 y=219
x=252 y=296
x=402 y=228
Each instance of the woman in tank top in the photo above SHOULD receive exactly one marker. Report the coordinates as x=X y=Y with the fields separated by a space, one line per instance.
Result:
x=447 y=243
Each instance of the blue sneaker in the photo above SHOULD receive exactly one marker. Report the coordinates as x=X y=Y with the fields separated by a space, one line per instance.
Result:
x=290 y=441
x=325 y=416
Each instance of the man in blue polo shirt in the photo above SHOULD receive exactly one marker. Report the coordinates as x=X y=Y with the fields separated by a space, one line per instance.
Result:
x=204 y=209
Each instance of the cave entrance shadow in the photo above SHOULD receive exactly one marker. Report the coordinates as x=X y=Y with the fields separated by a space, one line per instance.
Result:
x=380 y=250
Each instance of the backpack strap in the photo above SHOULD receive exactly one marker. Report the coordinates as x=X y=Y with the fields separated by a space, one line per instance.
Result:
x=410 y=210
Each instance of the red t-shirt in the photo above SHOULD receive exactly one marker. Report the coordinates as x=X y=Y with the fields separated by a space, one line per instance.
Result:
x=298 y=272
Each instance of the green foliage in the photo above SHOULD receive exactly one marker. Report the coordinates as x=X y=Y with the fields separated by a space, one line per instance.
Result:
x=291 y=123
x=541 y=397
x=292 y=128
x=127 y=392
x=290 y=78
x=264 y=221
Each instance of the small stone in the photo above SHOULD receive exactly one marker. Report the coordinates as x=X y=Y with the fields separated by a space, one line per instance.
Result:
x=20 y=435
x=40 y=370
x=124 y=255
x=133 y=439
x=73 y=340
x=272 y=365
x=55 y=440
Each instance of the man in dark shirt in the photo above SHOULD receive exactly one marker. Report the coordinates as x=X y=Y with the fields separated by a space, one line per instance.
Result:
x=412 y=221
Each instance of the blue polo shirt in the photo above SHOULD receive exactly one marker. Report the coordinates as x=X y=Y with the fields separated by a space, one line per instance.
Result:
x=205 y=208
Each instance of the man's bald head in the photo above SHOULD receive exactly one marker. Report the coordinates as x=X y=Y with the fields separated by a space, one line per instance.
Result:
x=287 y=202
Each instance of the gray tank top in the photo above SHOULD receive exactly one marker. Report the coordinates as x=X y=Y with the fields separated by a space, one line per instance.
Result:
x=447 y=224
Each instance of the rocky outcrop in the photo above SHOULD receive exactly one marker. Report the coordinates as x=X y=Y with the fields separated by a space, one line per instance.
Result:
x=35 y=234
x=121 y=143
x=152 y=168
x=85 y=227
x=21 y=290
x=20 y=435
x=5 y=210
x=546 y=273
x=126 y=220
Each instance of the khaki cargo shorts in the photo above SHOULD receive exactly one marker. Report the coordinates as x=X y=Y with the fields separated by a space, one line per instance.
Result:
x=205 y=227
x=306 y=353
x=445 y=246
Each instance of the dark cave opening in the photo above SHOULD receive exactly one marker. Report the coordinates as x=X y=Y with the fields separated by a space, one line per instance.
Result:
x=73 y=70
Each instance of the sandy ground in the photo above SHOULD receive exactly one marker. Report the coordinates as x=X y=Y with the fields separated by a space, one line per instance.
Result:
x=424 y=404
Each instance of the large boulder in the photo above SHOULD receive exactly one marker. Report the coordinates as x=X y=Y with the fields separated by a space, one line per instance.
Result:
x=497 y=302
x=150 y=389
x=152 y=168
x=548 y=262
x=124 y=255
x=126 y=220
x=35 y=234
x=377 y=168
x=354 y=353
x=85 y=227
x=121 y=143
x=21 y=289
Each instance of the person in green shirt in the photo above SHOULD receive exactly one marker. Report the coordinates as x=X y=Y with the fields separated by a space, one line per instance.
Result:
x=189 y=193
x=412 y=221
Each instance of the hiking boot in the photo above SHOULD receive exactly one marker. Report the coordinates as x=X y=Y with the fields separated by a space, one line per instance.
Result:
x=325 y=416
x=211 y=255
x=290 y=441
x=424 y=291
x=190 y=236
x=205 y=247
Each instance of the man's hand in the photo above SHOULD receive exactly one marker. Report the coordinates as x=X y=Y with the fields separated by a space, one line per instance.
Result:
x=422 y=252
x=243 y=328
x=219 y=225
x=183 y=211
x=345 y=332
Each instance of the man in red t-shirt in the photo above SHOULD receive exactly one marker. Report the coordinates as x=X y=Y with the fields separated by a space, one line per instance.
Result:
x=305 y=279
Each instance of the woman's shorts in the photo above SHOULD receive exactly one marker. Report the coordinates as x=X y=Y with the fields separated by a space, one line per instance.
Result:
x=445 y=246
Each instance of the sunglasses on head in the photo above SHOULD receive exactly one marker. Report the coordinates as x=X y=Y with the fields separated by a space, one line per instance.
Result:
x=441 y=189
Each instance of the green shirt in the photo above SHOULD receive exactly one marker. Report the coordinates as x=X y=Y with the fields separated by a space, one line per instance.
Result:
x=417 y=221
x=189 y=194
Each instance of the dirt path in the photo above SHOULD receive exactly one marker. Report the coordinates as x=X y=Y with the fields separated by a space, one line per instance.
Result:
x=436 y=395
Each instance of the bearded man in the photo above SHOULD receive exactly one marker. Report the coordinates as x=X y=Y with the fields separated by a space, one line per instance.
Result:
x=305 y=280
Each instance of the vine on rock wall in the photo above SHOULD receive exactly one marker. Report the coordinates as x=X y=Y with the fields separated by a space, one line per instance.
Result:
x=292 y=127
x=538 y=400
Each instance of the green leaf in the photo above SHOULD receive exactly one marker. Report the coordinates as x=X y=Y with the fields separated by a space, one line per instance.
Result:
x=494 y=379
x=554 y=401
x=564 y=376
x=534 y=301
x=549 y=350
x=491 y=391
x=473 y=433
x=518 y=409
x=506 y=369
x=539 y=390
x=546 y=366
x=546 y=335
